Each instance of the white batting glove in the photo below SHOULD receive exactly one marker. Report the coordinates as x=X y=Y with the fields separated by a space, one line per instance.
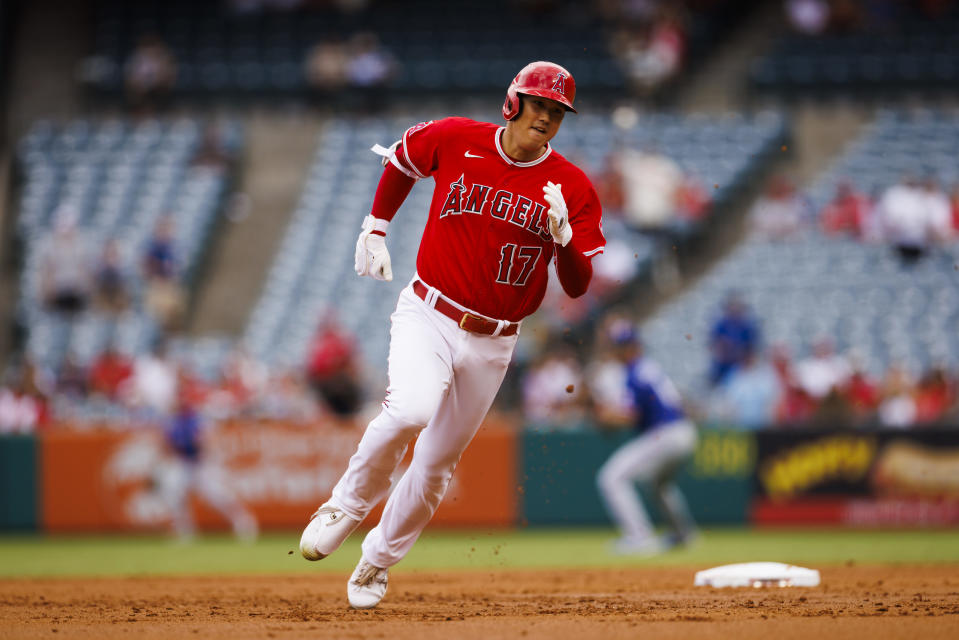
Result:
x=559 y=226
x=371 y=258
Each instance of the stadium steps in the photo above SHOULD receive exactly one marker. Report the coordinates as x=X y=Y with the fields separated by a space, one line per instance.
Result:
x=718 y=84
x=277 y=156
x=821 y=133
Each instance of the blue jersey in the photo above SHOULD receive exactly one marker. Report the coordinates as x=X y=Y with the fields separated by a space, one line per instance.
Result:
x=654 y=396
x=183 y=434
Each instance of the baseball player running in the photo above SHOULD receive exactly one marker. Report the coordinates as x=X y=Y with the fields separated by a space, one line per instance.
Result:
x=665 y=440
x=504 y=205
x=190 y=473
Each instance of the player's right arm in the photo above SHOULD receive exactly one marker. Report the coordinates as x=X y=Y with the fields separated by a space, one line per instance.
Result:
x=372 y=257
x=414 y=156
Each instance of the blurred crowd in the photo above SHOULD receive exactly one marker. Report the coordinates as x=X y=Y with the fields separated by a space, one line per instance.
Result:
x=914 y=216
x=818 y=17
x=755 y=387
x=351 y=72
x=121 y=390
x=750 y=386
x=649 y=39
x=649 y=191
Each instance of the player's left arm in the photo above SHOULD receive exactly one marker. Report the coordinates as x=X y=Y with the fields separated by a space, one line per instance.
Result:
x=577 y=232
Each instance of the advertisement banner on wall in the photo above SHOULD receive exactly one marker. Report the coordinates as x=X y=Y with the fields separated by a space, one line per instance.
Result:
x=112 y=480
x=857 y=477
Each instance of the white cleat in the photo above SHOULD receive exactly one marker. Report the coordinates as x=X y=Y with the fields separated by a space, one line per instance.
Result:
x=327 y=530
x=650 y=546
x=367 y=585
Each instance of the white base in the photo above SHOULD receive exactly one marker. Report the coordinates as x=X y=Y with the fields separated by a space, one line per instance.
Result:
x=757 y=574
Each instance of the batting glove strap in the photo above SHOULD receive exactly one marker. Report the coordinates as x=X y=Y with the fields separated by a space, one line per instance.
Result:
x=559 y=226
x=372 y=258
x=386 y=153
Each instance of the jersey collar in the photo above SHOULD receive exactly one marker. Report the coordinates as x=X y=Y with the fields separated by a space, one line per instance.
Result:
x=531 y=163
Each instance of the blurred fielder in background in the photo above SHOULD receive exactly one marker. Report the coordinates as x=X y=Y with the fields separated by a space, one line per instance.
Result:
x=664 y=440
x=188 y=473
x=504 y=206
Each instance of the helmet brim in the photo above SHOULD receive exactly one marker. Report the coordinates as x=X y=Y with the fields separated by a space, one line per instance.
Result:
x=549 y=95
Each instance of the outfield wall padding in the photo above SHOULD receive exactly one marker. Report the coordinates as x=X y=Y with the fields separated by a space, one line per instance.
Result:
x=108 y=480
x=559 y=476
x=18 y=483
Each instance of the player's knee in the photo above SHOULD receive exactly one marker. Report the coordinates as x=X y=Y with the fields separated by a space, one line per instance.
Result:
x=413 y=412
x=607 y=478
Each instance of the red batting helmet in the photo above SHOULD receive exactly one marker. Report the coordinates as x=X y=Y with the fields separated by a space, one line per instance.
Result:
x=543 y=79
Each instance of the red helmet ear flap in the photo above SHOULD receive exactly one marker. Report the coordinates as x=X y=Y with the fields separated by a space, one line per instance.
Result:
x=513 y=103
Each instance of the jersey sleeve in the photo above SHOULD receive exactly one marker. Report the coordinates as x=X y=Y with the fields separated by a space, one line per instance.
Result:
x=586 y=218
x=418 y=153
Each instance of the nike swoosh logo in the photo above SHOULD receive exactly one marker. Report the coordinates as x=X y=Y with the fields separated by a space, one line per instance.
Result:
x=471 y=155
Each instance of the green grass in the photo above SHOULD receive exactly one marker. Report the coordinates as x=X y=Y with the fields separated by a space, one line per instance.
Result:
x=55 y=556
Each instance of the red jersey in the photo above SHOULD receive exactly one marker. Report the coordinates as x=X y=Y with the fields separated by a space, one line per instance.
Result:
x=487 y=244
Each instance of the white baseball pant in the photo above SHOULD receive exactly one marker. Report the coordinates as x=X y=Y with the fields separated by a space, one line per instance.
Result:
x=442 y=381
x=181 y=478
x=651 y=459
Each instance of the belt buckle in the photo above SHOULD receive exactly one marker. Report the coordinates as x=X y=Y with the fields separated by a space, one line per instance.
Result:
x=467 y=315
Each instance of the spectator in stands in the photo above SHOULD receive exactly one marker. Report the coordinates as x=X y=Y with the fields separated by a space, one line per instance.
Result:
x=369 y=71
x=939 y=210
x=781 y=212
x=164 y=296
x=935 y=396
x=20 y=411
x=898 y=406
x=615 y=267
x=734 y=335
x=243 y=378
x=287 y=397
x=213 y=153
x=824 y=372
x=860 y=392
x=72 y=379
x=808 y=17
x=150 y=75
x=326 y=64
x=912 y=219
x=795 y=406
x=652 y=52
x=610 y=188
x=750 y=395
x=111 y=282
x=553 y=397
x=333 y=370
x=692 y=199
x=651 y=183
x=66 y=267
x=849 y=212
x=954 y=206
x=153 y=385
x=110 y=371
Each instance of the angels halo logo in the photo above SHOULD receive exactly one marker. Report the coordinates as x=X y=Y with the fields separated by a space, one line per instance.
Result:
x=559 y=84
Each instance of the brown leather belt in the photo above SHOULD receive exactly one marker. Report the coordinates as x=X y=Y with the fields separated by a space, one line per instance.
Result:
x=464 y=319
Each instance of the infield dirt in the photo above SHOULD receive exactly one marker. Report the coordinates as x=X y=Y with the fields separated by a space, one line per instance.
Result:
x=852 y=602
